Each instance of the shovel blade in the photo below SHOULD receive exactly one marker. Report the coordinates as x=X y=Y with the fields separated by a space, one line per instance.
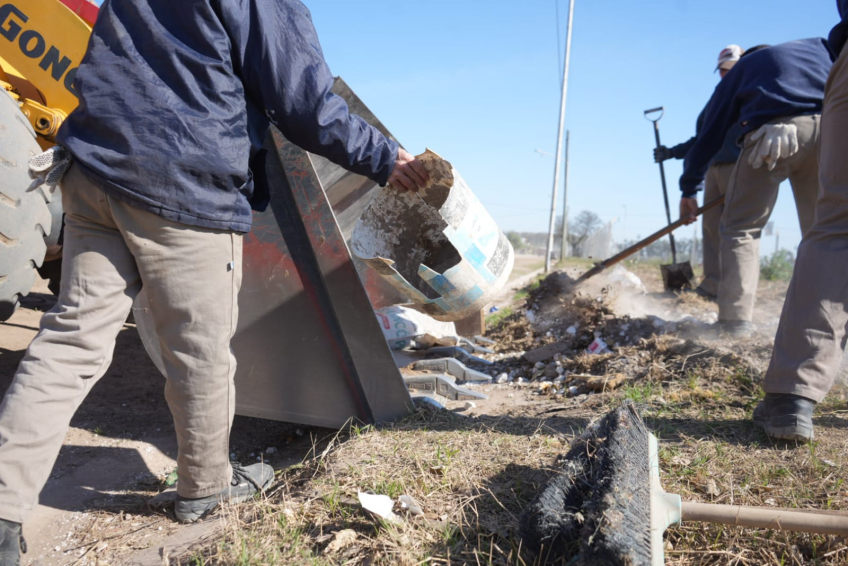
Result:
x=677 y=276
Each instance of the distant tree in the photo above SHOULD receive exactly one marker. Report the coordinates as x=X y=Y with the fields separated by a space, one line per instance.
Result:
x=516 y=240
x=581 y=227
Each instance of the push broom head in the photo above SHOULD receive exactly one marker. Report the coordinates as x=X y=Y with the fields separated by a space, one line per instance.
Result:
x=597 y=510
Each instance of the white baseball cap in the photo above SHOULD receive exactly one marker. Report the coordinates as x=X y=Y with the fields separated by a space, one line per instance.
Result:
x=728 y=57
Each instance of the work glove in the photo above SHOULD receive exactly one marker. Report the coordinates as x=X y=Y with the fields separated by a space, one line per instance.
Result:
x=662 y=153
x=48 y=168
x=774 y=142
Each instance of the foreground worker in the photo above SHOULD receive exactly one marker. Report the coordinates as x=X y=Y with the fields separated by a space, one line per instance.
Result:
x=175 y=100
x=810 y=340
x=775 y=96
x=716 y=181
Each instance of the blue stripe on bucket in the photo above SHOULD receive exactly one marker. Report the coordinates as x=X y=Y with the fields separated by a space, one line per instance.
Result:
x=480 y=262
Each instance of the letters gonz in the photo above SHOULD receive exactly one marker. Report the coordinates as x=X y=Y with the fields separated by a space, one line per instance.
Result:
x=33 y=45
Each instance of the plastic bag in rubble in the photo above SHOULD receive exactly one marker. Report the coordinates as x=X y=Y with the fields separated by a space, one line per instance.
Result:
x=626 y=279
x=404 y=327
x=437 y=246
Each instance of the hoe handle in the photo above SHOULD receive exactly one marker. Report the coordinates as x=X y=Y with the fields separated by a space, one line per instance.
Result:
x=624 y=254
x=758 y=517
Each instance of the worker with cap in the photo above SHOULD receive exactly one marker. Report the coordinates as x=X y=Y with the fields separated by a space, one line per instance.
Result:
x=715 y=183
x=775 y=97
x=810 y=340
x=175 y=100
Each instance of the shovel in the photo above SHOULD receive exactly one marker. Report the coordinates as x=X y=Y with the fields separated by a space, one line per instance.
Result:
x=677 y=275
x=641 y=244
x=607 y=507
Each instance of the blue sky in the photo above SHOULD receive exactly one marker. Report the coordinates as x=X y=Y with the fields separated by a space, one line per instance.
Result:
x=478 y=82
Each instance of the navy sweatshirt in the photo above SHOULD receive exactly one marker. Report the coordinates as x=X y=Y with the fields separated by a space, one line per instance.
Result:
x=728 y=153
x=839 y=34
x=176 y=97
x=780 y=81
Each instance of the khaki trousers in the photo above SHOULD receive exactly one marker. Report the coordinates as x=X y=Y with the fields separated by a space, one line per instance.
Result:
x=811 y=336
x=750 y=201
x=715 y=186
x=191 y=276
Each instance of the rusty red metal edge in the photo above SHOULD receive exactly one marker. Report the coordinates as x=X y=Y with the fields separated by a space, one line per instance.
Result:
x=84 y=9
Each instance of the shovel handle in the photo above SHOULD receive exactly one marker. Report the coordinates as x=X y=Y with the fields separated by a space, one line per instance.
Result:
x=762 y=518
x=624 y=254
x=660 y=109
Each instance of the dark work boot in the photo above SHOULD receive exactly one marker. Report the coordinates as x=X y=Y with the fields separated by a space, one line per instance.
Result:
x=247 y=482
x=786 y=416
x=705 y=295
x=736 y=328
x=12 y=543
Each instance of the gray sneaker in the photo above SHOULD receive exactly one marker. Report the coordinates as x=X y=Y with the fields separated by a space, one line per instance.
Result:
x=12 y=543
x=247 y=482
x=786 y=416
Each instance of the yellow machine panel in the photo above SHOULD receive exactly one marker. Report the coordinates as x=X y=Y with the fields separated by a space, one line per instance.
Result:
x=41 y=45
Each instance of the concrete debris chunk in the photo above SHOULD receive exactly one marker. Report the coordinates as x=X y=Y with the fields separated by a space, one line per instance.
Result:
x=341 y=540
x=452 y=367
x=601 y=382
x=545 y=352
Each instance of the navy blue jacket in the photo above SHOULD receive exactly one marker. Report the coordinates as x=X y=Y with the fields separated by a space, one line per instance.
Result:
x=780 y=81
x=839 y=34
x=728 y=153
x=176 y=97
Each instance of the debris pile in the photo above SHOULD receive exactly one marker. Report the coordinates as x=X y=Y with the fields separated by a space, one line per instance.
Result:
x=567 y=343
x=572 y=343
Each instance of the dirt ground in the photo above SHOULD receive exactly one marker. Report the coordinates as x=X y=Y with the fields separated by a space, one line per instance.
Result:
x=473 y=467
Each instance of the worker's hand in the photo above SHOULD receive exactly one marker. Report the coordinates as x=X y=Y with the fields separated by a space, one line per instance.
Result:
x=408 y=173
x=774 y=142
x=662 y=153
x=49 y=167
x=688 y=209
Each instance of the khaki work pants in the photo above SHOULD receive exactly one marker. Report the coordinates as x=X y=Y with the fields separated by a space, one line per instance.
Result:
x=715 y=186
x=191 y=277
x=750 y=201
x=811 y=336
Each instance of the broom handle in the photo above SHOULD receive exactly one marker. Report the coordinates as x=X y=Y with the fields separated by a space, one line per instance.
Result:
x=826 y=523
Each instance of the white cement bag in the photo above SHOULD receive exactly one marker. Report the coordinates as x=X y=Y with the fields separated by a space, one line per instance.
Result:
x=402 y=325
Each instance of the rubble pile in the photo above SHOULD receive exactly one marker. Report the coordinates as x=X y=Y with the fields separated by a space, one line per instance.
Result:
x=571 y=344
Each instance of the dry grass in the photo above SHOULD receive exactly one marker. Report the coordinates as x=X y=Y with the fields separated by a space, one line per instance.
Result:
x=473 y=476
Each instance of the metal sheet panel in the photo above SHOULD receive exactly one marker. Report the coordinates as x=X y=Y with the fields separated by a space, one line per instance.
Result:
x=349 y=194
x=308 y=345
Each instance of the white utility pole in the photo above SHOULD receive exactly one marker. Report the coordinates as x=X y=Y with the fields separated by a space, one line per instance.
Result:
x=558 y=158
x=563 y=249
